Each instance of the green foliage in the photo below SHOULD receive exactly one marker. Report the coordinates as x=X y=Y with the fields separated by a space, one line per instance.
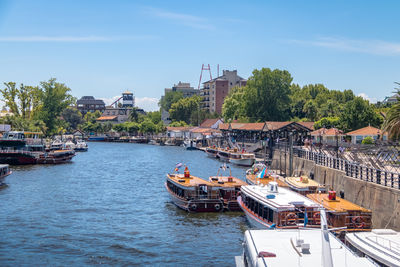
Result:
x=169 y=99
x=267 y=95
x=392 y=120
x=327 y=122
x=184 y=108
x=154 y=116
x=358 y=113
x=134 y=115
x=234 y=104
x=73 y=118
x=367 y=140
x=147 y=126
x=178 y=124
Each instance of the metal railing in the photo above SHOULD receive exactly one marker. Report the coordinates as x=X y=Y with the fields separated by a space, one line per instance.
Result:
x=351 y=169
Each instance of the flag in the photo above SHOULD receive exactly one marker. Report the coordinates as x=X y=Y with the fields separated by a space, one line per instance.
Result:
x=262 y=173
x=177 y=166
x=305 y=218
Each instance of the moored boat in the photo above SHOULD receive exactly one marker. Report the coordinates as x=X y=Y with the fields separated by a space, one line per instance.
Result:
x=56 y=157
x=212 y=152
x=229 y=188
x=190 y=144
x=258 y=174
x=242 y=158
x=305 y=247
x=303 y=185
x=271 y=206
x=382 y=245
x=192 y=193
x=4 y=170
x=69 y=145
x=57 y=144
x=81 y=146
x=343 y=213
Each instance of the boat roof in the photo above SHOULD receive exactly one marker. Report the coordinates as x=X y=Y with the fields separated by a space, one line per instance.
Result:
x=236 y=182
x=381 y=244
x=284 y=199
x=338 y=205
x=300 y=182
x=266 y=180
x=283 y=244
x=188 y=182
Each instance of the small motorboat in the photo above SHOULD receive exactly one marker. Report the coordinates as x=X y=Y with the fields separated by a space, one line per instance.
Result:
x=190 y=144
x=81 y=146
x=69 y=145
x=242 y=158
x=56 y=157
x=212 y=151
x=57 y=144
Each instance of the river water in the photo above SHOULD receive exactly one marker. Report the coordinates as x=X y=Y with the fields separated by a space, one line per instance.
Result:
x=109 y=206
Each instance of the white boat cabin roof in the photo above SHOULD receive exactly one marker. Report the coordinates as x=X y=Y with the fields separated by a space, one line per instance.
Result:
x=381 y=244
x=278 y=199
x=289 y=251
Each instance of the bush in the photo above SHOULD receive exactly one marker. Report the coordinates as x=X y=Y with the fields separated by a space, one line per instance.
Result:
x=367 y=140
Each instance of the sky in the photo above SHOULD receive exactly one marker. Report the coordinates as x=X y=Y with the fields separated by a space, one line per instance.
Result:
x=103 y=48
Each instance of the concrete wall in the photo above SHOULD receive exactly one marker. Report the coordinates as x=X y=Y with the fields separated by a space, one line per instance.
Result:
x=383 y=201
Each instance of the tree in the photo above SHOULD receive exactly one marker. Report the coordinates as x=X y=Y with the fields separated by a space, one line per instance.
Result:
x=359 y=113
x=310 y=109
x=170 y=98
x=10 y=94
x=55 y=99
x=184 y=108
x=147 y=126
x=367 y=140
x=73 y=117
x=392 y=120
x=178 y=124
x=134 y=115
x=234 y=104
x=154 y=116
x=328 y=122
x=267 y=95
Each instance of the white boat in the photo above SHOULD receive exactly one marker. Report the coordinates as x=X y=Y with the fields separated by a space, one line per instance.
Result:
x=272 y=207
x=81 y=146
x=212 y=152
x=189 y=144
x=382 y=245
x=316 y=247
x=57 y=144
x=242 y=158
x=152 y=142
x=69 y=145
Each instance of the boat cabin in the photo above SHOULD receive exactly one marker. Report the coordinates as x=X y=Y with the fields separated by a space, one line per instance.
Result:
x=303 y=185
x=4 y=170
x=343 y=213
x=271 y=206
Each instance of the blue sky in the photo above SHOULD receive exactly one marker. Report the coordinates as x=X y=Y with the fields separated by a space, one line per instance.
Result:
x=102 y=48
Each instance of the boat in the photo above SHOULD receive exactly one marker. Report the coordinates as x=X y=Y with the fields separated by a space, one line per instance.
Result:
x=343 y=213
x=57 y=144
x=258 y=174
x=305 y=247
x=19 y=148
x=192 y=193
x=138 y=139
x=4 y=170
x=190 y=144
x=97 y=138
x=242 y=158
x=81 y=146
x=152 y=142
x=3 y=185
x=229 y=188
x=381 y=245
x=212 y=151
x=303 y=185
x=224 y=154
x=271 y=206
x=69 y=145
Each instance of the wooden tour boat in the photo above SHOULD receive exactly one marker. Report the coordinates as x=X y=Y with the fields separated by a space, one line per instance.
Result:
x=192 y=193
x=257 y=175
x=273 y=207
x=224 y=154
x=212 y=152
x=242 y=158
x=303 y=185
x=343 y=213
x=229 y=188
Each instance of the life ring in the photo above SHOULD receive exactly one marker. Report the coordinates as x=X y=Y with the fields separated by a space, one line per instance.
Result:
x=358 y=222
x=291 y=218
x=217 y=207
x=193 y=207
x=317 y=218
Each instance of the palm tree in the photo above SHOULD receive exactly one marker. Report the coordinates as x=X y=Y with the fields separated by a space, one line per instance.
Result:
x=392 y=120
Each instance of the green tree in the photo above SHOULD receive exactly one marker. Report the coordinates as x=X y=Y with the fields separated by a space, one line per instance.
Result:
x=267 y=95
x=310 y=109
x=327 y=122
x=391 y=124
x=178 y=124
x=10 y=97
x=170 y=98
x=367 y=140
x=73 y=117
x=234 y=104
x=184 y=108
x=154 y=116
x=359 y=113
x=55 y=99
x=134 y=115
x=147 y=126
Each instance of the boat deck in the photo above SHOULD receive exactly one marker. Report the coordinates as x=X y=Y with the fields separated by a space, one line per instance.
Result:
x=227 y=181
x=338 y=205
x=188 y=182
x=266 y=180
x=301 y=183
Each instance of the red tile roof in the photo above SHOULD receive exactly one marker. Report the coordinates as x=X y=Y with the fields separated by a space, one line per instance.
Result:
x=205 y=131
x=308 y=124
x=369 y=130
x=179 y=129
x=327 y=132
x=223 y=126
x=257 y=126
x=276 y=125
x=106 y=118
x=207 y=123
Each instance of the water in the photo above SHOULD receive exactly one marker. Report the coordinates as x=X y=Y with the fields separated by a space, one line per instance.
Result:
x=110 y=207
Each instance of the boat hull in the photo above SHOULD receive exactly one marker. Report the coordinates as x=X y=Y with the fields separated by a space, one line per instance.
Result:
x=253 y=220
x=196 y=205
x=17 y=158
x=223 y=157
x=242 y=162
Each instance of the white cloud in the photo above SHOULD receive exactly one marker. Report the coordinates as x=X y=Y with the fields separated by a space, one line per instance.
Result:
x=74 y=39
x=366 y=97
x=376 y=47
x=146 y=103
x=184 y=19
